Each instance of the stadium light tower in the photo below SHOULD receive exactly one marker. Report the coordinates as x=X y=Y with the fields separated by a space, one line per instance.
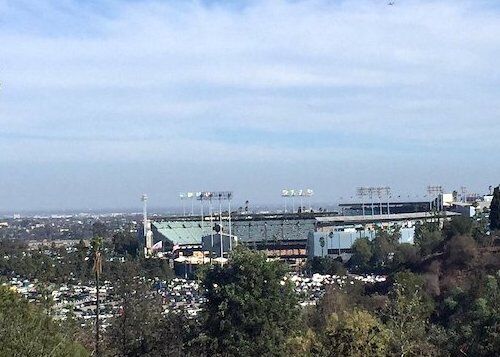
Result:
x=301 y=193
x=309 y=193
x=220 y=196
x=144 y=199
x=285 y=193
x=361 y=192
x=463 y=191
x=379 y=191
x=187 y=196
x=387 y=191
x=182 y=197
x=371 y=192
x=148 y=239
x=434 y=192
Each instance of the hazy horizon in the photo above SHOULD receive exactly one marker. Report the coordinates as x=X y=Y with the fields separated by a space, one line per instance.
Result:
x=102 y=102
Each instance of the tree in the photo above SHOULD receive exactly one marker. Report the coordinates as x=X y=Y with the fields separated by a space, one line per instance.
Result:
x=141 y=328
x=326 y=265
x=458 y=226
x=99 y=229
x=428 y=237
x=461 y=251
x=357 y=334
x=304 y=344
x=480 y=326
x=362 y=254
x=384 y=246
x=335 y=301
x=251 y=307
x=126 y=243
x=407 y=317
x=405 y=256
x=495 y=210
x=155 y=268
x=27 y=331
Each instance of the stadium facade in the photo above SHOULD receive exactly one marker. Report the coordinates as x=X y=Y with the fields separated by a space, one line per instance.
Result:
x=291 y=237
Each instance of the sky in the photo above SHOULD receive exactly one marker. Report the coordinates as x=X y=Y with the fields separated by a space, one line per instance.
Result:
x=102 y=101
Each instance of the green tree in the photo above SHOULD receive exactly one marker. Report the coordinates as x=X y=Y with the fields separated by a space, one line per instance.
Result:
x=99 y=229
x=362 y=254
x=384 y=246
x=357 y=334
x=251 y=308
x=126 y=243
x=460 y=251
x=142 y=329
x=325 y=265
x=27 y=331
x=304 y=344
x=458 y=226
x=475 y=322
x=495 y=210
x=428 y=237
x=407 y=317
x=406 y=256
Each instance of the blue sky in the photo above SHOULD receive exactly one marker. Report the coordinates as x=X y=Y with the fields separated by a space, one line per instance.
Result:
x=99 y=103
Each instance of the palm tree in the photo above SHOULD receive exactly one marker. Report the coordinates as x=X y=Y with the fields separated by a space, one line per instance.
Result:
x=97 y=269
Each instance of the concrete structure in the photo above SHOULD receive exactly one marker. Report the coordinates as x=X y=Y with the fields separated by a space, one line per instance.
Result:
x=212 y=243
x=380 y=207
x=381 y=220
x=279 y=235
x=291 y=238
x=339 y=243
x=447 y=199
x=465 y=209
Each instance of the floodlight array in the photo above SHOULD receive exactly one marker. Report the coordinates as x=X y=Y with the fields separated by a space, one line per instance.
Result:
x=434 y=190
x=187 y=195
x=435 y=193
x=297 y=193
x=214 y=195
x=371 y=192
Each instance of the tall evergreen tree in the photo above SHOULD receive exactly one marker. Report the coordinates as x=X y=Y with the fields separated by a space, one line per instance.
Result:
x=495 y=210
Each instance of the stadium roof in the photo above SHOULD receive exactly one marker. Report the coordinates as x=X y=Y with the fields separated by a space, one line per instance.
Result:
x=182 y=232
x=380 y=217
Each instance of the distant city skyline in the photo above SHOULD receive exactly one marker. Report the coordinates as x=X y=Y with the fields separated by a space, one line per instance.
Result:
x=101 y=102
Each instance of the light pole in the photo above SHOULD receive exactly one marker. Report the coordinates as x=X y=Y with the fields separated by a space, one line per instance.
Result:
x=182 y=197
x=220 y=196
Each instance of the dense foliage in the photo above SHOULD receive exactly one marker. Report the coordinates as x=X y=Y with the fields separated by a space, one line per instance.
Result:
x=251 y=308
x=25 y=330
x=50 y=264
